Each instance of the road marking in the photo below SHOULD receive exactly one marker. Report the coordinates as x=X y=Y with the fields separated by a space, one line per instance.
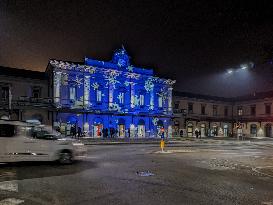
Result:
x=255 y=169
x=11 y=201
x=9 y=186
x=267 y=203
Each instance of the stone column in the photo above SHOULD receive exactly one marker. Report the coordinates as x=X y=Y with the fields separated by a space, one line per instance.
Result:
x=57 y=86
x=111 y=95
x=132 y=98
x=170 y=99
x=86 y=91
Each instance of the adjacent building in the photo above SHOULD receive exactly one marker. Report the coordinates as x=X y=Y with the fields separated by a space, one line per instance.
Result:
x=24 y=95
x=249 y=115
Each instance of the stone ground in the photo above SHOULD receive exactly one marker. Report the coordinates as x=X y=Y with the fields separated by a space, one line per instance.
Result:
x=187 y=172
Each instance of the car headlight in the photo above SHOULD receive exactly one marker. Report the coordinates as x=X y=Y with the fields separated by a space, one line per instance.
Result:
x=77 y=144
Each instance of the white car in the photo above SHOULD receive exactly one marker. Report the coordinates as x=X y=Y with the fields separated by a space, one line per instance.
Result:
x=20 y=141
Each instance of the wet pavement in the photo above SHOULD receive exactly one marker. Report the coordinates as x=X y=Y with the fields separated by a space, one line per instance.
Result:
x=195 y=172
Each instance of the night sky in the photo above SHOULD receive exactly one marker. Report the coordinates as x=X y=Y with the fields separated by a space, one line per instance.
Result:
x=194 y=42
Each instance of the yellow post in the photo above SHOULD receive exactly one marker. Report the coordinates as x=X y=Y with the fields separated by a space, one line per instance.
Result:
x=162 y=145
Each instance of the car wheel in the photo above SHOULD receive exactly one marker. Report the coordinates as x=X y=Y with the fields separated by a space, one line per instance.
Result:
x=65 y=157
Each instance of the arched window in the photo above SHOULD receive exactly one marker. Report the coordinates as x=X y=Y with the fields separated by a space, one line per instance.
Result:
x=253 y=129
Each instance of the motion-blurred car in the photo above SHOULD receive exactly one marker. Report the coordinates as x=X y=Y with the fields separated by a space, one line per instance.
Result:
x=21 y=141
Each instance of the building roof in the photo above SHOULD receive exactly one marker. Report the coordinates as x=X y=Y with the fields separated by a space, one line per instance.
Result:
x=15 y=72
x=249 y=97
x=200 y=96
x=255 y=96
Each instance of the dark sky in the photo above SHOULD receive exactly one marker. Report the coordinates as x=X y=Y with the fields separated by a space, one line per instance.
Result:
x=193 y=42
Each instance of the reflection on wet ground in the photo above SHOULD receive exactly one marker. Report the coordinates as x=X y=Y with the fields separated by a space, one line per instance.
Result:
x=30 y=170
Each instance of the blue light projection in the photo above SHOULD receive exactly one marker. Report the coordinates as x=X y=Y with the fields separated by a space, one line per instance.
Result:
x=111 y=97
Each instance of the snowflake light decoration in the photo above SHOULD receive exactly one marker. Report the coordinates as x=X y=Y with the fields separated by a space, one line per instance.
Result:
x=111 y=78
x=78 y=81
x=155 y=120
x=64 y=79
x=127 y=83
x=95 y=86
x=149 y=86
x=163 y=94
x=115 y=107
x=132 y=75
x=130 y=68
x=120 y=97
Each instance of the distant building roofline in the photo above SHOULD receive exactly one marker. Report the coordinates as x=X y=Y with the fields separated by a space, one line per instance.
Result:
x=16 y=72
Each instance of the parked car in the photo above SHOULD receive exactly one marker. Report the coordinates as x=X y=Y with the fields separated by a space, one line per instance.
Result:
x=21 y=141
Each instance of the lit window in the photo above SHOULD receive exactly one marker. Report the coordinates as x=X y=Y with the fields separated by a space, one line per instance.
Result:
x=141 y=100
x=160 y=103
x=98 y=95
x=240 y=111
x=72 y=93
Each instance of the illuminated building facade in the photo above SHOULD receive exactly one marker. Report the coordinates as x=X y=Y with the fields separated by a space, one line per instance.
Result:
x=100 y=96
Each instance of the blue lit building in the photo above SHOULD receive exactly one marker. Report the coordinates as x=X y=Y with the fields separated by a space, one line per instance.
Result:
x=116 y=95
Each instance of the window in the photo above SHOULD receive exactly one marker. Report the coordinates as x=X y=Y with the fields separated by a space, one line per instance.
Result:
x=98 y=96
x=36 y=92
x=203 y=109
x=7 y=130
x=5 y=93
x=160 y=103
x=240 y=111
x=176 y=105
x=214 y=110
x=72 y=93
x=121 y=97
x=141 y=100
x=190 y=108
x=268 y=109
x=253 y=110
x=226 y=111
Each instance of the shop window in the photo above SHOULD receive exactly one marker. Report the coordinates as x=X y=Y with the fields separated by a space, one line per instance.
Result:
x=253 y=129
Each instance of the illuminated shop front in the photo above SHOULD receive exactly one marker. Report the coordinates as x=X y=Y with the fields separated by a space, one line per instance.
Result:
x=110 y=95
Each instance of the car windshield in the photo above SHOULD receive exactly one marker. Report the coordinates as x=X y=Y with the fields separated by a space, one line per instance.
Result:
x=45 y=132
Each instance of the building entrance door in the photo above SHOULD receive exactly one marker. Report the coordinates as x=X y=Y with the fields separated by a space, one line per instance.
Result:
x=121 y=130
x=203 y=130
x=141 y=131
x=225 y=130
x=268 y=130
x=190 y=130
x=98 y=130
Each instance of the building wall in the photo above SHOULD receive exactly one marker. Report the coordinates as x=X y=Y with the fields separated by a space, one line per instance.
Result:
x=22 y=105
